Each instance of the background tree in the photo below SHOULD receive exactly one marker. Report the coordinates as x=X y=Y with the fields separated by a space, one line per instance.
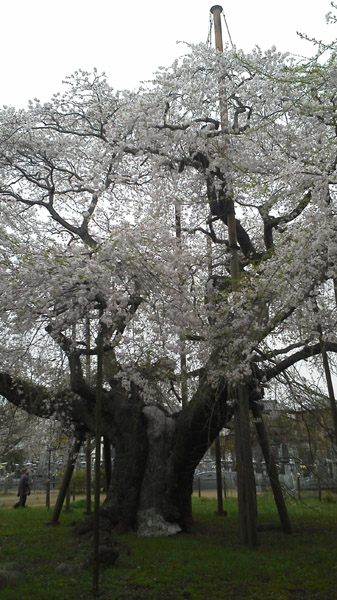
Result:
x=23 y=436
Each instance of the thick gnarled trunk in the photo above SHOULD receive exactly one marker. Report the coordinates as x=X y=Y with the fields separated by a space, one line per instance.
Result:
x=152 y=480
x=128 y=436
x=156 y=453
x=155 y=514
x=155 y=458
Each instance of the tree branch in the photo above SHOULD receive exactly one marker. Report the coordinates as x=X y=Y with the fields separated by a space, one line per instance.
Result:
x=271 y=223
x=291 y=360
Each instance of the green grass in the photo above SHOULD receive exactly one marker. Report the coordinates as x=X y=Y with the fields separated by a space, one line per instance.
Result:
x=208 y=565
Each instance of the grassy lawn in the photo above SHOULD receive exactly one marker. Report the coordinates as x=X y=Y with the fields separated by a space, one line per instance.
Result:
x=207 y=565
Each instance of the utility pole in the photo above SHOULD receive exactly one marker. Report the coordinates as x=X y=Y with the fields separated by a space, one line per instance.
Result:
x=245 y=472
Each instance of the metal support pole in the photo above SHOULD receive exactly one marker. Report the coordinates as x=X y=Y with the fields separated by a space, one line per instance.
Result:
x=48 y=481
x=107 y=463
x=98 y=433
x=88 y=475
x=88 y=445
x=216 y=12
x=220 y=511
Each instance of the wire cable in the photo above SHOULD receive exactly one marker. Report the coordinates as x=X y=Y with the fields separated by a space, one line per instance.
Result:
x=228 y=32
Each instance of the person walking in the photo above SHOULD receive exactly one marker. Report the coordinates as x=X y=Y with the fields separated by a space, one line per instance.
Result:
x=24 y=489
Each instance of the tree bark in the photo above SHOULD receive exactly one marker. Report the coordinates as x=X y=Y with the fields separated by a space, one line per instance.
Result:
x=155 y=458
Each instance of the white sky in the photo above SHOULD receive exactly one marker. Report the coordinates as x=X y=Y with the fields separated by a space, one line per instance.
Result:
x=41 y=43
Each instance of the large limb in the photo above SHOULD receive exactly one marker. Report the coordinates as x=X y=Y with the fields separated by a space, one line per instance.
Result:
x=34 y=398
x=39 y=401
x=271 y=222
x=219 y=204
x=197 y=426
x=48 y=190
x=306 y=352
x=219 y=200
x=76 y=403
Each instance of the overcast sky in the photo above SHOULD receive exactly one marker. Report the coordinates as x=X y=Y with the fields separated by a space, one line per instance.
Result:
x=41 y=43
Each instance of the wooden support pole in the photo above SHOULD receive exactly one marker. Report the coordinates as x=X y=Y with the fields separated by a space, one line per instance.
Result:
x=329 y=383
x=66 y=479
x=67 y=506
x=271 y=467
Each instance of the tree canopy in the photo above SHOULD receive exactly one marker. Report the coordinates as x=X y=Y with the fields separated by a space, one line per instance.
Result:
x=118 y=202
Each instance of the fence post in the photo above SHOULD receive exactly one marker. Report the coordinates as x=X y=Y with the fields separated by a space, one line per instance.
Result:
x=67 y=507
x=48 y=493
x=319 y=490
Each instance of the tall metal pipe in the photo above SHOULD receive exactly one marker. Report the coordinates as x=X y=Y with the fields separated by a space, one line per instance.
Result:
x=216 y=12
x=245 y=473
